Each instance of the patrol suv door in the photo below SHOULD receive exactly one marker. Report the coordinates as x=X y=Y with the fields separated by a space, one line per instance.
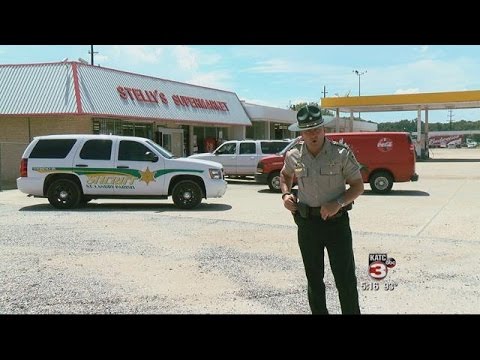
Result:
x=141 y=167
x=93 y=164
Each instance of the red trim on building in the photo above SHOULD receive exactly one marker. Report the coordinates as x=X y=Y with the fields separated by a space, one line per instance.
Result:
x=76 y=88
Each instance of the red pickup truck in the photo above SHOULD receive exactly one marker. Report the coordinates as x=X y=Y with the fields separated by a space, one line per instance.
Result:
x=386 y=157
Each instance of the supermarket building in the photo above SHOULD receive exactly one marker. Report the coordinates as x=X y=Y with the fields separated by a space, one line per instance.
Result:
x=76 y=98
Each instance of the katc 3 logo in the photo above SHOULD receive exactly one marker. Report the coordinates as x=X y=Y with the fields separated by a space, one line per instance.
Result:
x=378 y=265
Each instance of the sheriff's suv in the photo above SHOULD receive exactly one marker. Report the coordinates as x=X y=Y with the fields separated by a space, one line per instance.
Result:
x=71 y=170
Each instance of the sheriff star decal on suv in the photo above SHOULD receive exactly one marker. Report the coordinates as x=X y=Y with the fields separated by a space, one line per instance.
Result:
x=147 y=176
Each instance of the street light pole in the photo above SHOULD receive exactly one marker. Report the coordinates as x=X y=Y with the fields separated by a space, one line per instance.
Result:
x=359 y=74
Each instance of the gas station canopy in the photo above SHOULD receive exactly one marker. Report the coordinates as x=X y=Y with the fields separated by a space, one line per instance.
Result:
x=404 y=102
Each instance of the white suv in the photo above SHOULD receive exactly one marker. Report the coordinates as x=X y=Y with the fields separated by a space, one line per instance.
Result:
x=71 y=170
x=240 y=157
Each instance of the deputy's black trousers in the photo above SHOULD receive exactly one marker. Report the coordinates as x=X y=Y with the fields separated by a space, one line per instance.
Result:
x=314 y=235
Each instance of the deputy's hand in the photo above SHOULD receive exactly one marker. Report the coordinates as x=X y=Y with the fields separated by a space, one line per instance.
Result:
x=329 y=209
x=290 y=202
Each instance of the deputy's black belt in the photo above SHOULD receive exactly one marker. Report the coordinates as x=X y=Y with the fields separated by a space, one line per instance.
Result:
x=313 y=211
x=306 y=212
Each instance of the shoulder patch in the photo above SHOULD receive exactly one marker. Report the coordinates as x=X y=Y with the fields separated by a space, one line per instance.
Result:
x=342 y=147
x=293 y=151
x=340 y=144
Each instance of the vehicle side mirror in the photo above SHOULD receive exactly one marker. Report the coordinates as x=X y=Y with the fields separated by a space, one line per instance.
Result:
x=150 y=156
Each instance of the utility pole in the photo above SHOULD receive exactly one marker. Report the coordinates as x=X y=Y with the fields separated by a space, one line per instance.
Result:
x=92 y=53
x=450 y=114
x=324 y=90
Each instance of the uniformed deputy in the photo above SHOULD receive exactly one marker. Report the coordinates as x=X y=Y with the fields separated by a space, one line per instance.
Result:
x=322 y=169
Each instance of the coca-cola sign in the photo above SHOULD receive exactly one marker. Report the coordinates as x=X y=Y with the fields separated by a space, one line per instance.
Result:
x=385 y=144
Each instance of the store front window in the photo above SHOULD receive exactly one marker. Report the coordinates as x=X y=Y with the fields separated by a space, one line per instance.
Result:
x=256 y=131
x=124 y=128
x=204 y=138
x=279 y=131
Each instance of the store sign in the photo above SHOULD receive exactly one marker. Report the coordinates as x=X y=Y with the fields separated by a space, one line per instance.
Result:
x=154 y=96
x=142 y=95
x=199 y=103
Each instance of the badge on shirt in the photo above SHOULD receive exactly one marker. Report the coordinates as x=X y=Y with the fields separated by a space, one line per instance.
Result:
x=299 y=168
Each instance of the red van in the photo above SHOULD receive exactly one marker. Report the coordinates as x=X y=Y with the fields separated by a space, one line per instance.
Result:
x=386 y=157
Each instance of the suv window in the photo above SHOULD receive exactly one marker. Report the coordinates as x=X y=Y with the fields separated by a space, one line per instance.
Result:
x=133 y=151
x=227 y=149
x=52 y=149
x=247 y=148
x=96 y=150
x=273 y=147
x=297 y=142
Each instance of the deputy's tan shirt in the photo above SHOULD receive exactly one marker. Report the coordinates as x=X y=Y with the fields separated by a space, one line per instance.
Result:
x=322 y=178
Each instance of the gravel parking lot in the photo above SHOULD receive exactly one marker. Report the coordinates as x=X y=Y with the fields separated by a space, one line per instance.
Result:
x=239 y=254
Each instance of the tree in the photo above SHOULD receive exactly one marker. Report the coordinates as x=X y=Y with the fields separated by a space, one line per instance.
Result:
x=411 y=126
x=296 y=107
x=402 y=125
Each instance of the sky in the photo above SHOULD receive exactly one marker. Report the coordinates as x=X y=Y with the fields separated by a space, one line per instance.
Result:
x=279 y=75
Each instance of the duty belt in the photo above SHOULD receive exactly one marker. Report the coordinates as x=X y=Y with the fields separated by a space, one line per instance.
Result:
x=306 y=211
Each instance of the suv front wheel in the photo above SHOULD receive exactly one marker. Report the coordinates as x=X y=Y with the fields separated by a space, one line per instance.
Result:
x=274 y=181
x=187 y=194
x=64 y=194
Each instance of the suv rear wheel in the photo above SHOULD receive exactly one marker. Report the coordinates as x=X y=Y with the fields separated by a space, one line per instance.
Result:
x=64 y=194
x=187 y=194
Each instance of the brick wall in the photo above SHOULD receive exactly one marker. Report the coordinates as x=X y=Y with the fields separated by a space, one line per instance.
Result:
x=10 y=156
x=17 y=132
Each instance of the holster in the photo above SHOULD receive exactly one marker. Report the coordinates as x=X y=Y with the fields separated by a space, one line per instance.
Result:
x=303 y=210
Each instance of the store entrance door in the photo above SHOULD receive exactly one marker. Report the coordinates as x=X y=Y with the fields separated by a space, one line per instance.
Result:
x=171 y=140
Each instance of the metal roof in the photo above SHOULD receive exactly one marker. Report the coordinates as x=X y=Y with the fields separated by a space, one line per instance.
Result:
x=36 y=89
x=405 y=102
x=260 y=112
x=73 y=87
